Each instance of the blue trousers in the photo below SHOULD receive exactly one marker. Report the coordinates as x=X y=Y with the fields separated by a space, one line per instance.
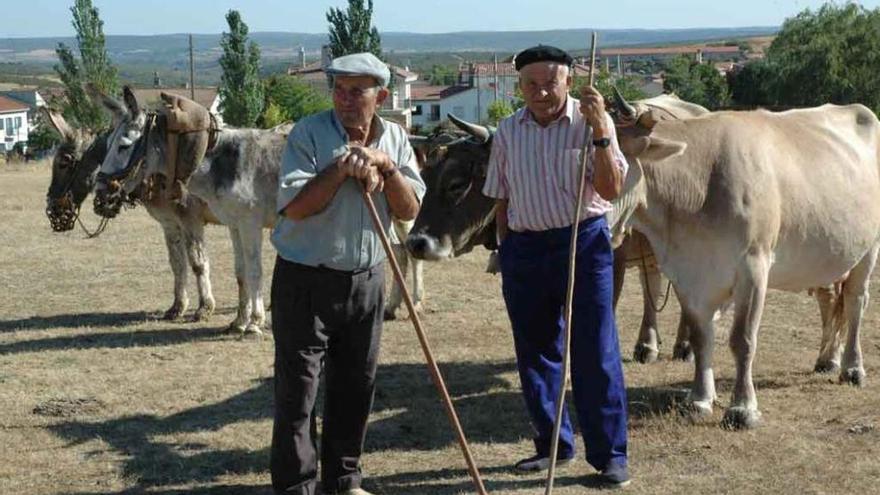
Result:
x=534 y=270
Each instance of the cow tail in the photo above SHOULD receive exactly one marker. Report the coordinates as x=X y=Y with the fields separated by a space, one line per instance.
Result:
x=838 y=313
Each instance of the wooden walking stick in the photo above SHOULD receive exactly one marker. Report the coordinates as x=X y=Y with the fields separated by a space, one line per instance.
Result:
x=569 y=296
x=426 y=348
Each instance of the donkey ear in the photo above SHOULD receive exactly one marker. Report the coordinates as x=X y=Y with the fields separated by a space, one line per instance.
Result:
x=58 y=123
x=130 y=101
x=116 y=109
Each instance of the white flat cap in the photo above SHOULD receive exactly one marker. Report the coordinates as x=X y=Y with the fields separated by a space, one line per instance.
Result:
x=360 y=64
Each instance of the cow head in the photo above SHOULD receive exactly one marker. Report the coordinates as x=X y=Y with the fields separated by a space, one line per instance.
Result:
x=129 y=122
x=637 y=135
x=454 y=215
x=74 y=168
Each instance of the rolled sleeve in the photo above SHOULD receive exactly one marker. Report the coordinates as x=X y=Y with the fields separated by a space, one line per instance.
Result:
x=496 y=179
x=298 y=166
x=619 y=158
x=409 y=167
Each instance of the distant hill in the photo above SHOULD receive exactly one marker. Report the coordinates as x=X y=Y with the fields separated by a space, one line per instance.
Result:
x=172 y=49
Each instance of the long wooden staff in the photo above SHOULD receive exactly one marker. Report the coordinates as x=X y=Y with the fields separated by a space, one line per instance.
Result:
x=426 y=348
x=569 y=296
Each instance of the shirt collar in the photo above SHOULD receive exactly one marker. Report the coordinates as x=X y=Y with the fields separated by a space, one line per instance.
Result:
x=570 y=108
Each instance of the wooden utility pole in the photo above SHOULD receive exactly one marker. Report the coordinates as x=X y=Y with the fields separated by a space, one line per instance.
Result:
x=192 y=71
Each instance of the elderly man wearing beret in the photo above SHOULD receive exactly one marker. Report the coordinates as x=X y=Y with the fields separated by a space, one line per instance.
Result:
x=533 y=174
x=328 y=285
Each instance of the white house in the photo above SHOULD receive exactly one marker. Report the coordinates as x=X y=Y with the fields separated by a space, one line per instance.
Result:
x=30 y=97
x=430 y=104
x=13 y=123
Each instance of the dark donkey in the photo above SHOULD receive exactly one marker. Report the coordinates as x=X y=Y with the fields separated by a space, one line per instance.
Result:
x=74 y=173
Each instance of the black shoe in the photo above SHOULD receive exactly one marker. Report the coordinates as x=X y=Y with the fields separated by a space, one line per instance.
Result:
x=539 y=463
x=615 y=475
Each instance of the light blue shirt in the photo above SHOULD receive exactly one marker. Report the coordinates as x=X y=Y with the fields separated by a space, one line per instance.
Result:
x=341 y=236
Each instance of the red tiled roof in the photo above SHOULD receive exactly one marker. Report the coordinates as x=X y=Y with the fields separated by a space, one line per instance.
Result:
x=10 y=105
x=669 y=50
x=423 y=92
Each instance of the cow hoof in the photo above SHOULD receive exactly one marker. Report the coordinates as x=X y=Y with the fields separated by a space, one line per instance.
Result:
x=853 y=376
x=645 y=354
x=234 y=328
x=174 y=313
x=203 y=313
x=251 y=332
x=695 y=410
x=826 y=367
x=389 y=316
x=740 y=418
x=683 y=352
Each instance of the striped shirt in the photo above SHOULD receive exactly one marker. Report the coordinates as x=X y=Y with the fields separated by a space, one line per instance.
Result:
x=536 y=169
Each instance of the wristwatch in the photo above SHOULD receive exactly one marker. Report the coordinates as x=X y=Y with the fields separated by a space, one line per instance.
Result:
x=602 y=142
x=388 y=173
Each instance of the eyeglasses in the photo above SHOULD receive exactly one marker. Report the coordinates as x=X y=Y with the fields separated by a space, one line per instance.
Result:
x=352 y=93
x=533 y=87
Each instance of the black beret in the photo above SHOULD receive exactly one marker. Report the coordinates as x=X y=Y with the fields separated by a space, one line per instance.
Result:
x=542 y=53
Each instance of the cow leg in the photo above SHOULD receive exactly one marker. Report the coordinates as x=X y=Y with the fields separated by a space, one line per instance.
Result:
x=682 y=350
x=241 y=317
x=418 y=274
x=396 y=297
x=194 y=235
x=177 y=258
x=831 y=345
x=855 y=301
x=252 y=250
x=749 y=295
x=702 y=395
x=648 y=345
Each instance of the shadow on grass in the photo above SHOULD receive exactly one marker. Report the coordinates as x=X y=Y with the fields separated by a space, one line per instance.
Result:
x=408 y=416
x=76 y=321
x=116 y=340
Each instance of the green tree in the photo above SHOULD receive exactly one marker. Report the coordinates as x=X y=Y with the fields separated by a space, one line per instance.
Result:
x=352 y=31
x=498 y=110
x=756 y=84
x=698 y=83
x=241 y=90
x=42 y=138
x=829 y=56
x=93 y=67
x=442 y=75
x=289 y=98
x=628 y=85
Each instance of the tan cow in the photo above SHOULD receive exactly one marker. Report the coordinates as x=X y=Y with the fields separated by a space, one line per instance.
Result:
x=734 y=203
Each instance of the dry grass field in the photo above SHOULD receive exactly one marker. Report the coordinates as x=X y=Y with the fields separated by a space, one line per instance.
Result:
x=98 y=396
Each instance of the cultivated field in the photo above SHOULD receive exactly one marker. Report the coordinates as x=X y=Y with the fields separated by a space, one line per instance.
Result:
x=97 y=396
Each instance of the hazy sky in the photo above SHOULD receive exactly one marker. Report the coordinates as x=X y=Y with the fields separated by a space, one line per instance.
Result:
x=20 y=18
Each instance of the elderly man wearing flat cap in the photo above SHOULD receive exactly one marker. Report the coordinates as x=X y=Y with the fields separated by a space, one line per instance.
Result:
x=328 y=285
x=533 y=174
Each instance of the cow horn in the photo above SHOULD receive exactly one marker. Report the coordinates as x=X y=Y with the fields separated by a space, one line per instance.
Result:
x=477 y=131
x=626 y=110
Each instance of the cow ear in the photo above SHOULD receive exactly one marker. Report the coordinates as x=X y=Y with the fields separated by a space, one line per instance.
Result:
x=660 y=149
x=130 y=101
x=58 y=123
